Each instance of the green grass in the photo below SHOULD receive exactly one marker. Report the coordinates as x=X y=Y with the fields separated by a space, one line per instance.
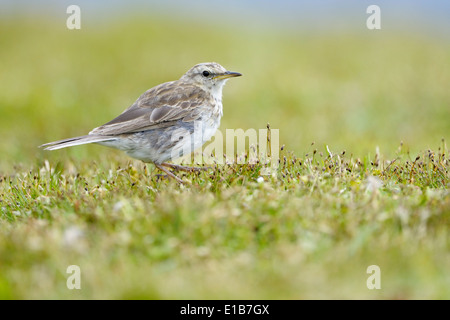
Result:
x=310 y=231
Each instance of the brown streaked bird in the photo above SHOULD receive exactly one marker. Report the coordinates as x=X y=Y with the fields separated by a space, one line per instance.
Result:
x=165 y=122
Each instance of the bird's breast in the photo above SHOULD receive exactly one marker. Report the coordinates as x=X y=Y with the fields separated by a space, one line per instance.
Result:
x=210 y=122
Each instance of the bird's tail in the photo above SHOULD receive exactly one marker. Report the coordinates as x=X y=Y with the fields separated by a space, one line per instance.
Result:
x=76 y=141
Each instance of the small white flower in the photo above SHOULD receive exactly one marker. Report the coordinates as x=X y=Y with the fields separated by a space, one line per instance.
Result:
x=118 y=206
x=72 y=235
x=260 y=180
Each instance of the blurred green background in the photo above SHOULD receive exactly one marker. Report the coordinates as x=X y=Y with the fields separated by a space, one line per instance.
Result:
x=315 y=72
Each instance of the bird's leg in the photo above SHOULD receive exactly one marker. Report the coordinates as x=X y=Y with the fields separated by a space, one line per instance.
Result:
x=183 y=168
x=170 y=174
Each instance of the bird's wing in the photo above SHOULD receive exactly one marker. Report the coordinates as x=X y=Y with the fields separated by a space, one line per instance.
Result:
x=158 y=107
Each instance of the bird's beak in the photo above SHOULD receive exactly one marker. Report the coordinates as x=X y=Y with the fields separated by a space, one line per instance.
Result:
x=228 y=74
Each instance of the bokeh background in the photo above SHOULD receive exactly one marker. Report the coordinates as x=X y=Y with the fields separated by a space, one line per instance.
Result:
x=312 y=70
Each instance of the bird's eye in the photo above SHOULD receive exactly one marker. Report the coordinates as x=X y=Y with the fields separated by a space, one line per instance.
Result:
x=205 y=73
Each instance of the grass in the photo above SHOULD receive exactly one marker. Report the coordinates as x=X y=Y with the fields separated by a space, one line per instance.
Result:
x=309 y=231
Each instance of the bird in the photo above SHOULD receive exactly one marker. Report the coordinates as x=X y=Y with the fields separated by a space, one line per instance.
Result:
x=167 y=121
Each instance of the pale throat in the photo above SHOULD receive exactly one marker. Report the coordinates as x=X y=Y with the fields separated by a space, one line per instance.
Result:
x=216 y=92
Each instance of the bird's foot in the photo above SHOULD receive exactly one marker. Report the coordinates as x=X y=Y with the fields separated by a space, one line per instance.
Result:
x=170 y=174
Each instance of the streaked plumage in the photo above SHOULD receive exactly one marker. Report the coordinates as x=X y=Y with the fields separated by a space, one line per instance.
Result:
x=154 y=128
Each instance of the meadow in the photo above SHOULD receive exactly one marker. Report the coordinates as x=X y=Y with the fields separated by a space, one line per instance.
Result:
x=362 y=180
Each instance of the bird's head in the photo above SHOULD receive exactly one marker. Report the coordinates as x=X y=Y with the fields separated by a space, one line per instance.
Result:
x=210 y=75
